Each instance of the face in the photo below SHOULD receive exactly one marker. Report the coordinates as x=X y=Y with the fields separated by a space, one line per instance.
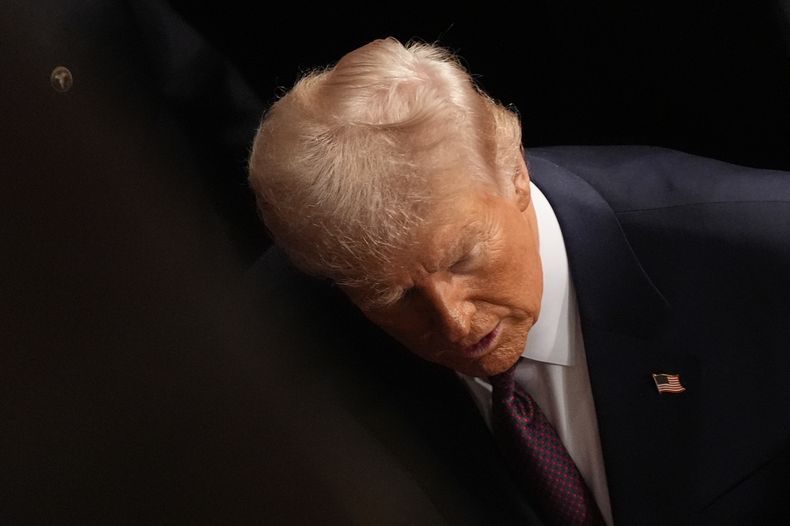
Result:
x=467 y=293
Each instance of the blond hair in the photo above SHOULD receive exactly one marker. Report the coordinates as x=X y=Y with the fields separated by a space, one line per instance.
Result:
x=347 y=164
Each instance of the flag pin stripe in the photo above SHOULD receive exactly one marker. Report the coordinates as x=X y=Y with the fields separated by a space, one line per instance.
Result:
x=668 y=383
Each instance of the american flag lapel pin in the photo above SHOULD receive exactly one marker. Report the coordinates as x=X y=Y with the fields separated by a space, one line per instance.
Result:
x=668 y=383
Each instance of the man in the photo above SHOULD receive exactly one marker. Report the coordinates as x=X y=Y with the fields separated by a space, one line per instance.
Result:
x=661 y=387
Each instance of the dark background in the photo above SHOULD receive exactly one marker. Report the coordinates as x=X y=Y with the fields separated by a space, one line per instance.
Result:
x=704 y=76
x=138 y=383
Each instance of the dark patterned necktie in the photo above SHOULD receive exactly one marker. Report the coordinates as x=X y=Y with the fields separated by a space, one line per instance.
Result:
x=537 y=456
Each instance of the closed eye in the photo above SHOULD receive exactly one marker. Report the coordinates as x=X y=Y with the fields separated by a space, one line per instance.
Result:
x=462 y=265
x=466 y=262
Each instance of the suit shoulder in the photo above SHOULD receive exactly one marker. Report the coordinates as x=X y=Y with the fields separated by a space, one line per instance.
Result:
x=648 y=177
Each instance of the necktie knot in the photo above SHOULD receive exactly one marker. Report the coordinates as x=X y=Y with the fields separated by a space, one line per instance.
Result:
x=503 y=384
x=507 y=393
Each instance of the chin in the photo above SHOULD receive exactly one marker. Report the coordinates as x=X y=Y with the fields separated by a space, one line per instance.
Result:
x=500 y=362
x=505 y=356
x=497 y=361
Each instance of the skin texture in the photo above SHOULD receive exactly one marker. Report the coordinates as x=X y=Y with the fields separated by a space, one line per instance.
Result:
x=469 y=290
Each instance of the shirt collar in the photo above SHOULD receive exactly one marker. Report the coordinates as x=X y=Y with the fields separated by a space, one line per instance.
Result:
x=549 y=339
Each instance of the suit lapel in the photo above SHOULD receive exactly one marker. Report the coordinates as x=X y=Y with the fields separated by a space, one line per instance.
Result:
x=622 y=316
x=605 y=270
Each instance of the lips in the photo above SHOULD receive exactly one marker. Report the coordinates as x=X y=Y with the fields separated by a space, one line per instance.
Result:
x=483 y=345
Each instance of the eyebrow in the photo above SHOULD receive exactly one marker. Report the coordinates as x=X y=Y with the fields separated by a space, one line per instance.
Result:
x=383 y=298
x=388 y=296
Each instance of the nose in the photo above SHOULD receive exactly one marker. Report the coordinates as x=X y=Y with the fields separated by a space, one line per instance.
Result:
x=452 y=310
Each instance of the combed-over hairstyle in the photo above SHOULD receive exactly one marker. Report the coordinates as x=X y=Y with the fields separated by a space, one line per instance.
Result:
x=347 y=164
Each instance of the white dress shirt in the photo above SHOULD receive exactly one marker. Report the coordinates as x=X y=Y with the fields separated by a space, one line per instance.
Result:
x=554 y=368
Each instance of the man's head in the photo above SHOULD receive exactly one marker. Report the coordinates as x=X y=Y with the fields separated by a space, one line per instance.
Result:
x=394 y=176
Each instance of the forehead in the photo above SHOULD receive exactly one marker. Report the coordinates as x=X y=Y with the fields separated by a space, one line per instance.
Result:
x=437 y=204
x=451 y=226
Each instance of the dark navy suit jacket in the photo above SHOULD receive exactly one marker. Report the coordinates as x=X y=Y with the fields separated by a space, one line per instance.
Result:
x=681 y=265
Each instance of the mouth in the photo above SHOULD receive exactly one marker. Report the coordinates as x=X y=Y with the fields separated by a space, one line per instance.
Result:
x=483 y=345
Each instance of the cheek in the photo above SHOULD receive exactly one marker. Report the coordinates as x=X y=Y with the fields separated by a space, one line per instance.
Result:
x=513 y=277
x=521 y=267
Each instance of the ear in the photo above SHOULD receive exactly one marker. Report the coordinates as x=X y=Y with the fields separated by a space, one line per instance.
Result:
x=521 y=184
